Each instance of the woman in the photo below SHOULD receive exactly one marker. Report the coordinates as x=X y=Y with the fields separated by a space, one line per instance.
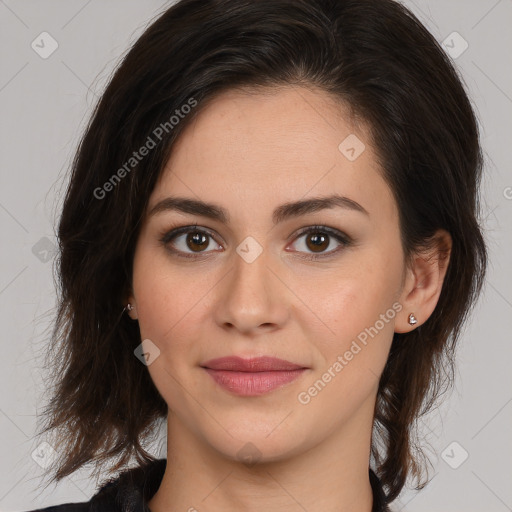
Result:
x=270 y=240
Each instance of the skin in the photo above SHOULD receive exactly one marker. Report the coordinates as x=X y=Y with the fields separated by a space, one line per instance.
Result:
x=250 y=153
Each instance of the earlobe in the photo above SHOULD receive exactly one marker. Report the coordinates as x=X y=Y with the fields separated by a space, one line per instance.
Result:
x=406 y=319
x=424 y=282
x=130 y=308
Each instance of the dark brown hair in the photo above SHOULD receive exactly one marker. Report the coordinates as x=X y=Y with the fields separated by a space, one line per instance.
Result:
x=372 y=55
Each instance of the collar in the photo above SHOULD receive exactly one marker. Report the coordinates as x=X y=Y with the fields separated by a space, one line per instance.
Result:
x=131 y=490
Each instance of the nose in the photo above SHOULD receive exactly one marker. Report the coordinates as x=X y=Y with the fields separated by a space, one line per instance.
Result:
x=252 y=298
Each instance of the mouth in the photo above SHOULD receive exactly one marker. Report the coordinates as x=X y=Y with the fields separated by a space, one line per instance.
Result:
x=252 y=377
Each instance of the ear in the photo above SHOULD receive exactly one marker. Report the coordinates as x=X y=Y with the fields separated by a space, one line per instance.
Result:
x=424 y=277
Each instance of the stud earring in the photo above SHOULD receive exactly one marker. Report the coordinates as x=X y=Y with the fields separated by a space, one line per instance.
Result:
x=412 y=319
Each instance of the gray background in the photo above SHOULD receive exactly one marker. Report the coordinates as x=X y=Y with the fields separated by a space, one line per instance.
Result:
x=45 y=103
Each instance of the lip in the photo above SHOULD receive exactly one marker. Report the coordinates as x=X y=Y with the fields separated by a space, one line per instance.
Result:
x=252 y=377
x=254 y=364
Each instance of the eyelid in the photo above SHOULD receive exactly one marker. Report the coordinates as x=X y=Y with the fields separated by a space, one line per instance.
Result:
x=342 y=238
x=173 y=232
x=335 y=233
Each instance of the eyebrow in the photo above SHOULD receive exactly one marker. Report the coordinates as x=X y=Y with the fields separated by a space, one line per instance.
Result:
x=280 y=214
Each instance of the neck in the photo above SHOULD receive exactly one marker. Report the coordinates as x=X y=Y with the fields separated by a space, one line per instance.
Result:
x=329 y=477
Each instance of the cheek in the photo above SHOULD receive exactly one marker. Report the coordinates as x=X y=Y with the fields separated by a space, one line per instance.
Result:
x=167 y=302
x=355 y=305
x=163 y=296
x=359 y=306
x=354 y=295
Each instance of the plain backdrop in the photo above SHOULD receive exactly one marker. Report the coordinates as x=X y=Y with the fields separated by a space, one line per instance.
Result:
x=45 y=101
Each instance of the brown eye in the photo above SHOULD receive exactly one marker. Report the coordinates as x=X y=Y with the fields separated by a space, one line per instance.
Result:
x=187 y=241
x=317 y=242
x=191 y=242
x=197 y=241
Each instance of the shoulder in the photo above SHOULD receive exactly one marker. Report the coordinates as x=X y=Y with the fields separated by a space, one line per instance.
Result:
x=131 y=490
x=66 y=507
x=102 y=501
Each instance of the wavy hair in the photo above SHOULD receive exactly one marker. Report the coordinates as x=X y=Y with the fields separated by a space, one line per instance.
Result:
x=373 y=56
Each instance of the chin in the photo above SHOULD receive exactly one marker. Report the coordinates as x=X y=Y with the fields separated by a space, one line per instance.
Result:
x=255 y=443
x=258 y=452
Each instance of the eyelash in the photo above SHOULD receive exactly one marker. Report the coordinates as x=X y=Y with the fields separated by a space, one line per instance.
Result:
x=340 y=237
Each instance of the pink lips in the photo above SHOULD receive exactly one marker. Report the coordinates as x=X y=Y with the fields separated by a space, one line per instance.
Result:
x=252 y=377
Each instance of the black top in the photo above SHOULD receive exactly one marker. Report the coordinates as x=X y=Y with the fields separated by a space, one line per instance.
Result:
x=133 y=489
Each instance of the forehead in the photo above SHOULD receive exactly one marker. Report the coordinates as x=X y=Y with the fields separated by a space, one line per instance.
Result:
x=284 y=125
x=268 y=146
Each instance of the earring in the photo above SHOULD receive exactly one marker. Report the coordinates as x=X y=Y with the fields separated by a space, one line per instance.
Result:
x=412 y=319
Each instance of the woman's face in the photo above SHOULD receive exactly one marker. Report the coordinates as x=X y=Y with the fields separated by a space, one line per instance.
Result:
x=245 y=284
